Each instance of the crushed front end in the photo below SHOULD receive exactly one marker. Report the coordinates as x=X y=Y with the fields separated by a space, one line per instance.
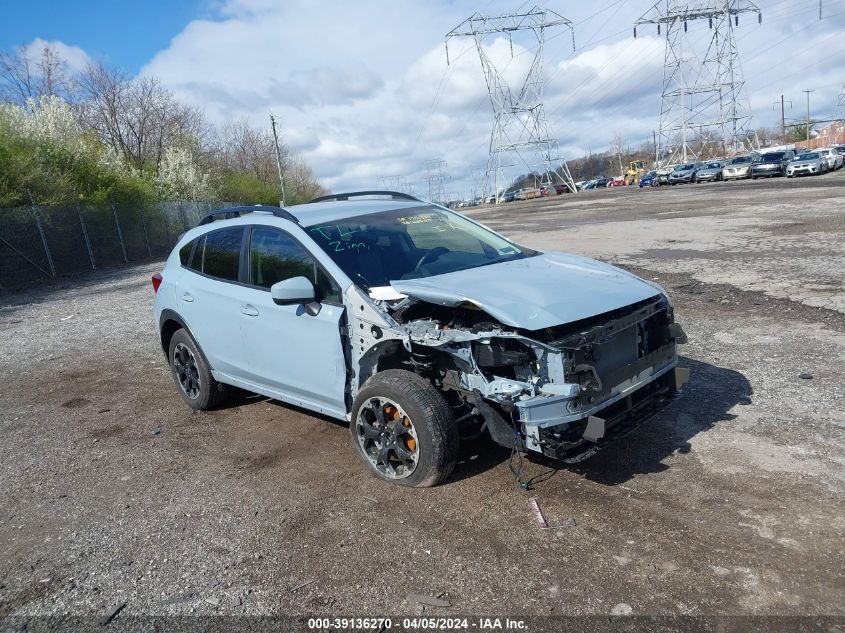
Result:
x=623 y=369
x=564 y=391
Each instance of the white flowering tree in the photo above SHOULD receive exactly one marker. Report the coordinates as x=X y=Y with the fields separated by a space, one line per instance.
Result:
x=180 y=178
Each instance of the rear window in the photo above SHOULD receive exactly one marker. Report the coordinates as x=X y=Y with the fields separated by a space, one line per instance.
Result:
x=222 y=254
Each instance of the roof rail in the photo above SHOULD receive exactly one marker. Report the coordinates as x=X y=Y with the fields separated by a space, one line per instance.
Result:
x=236 y=212
x=393 y=195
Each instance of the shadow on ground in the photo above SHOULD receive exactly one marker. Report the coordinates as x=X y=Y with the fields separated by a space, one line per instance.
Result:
x=707 y=399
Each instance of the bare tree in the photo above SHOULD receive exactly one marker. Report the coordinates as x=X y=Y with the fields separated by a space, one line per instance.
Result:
x=25 y=77
x=305 y=186
x=243 y=148
x=139 y=118
x=617 y=149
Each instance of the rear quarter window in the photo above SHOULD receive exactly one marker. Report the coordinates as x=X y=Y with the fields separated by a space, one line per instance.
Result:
x=195 y=262
x=222 y=253
x=185 y=253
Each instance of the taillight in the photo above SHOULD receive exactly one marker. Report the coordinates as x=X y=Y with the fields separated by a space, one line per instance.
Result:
x=157 y=278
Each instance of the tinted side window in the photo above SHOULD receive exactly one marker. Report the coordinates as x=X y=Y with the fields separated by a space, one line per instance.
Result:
x=185 y=252
x=196 y=260
x=222 y=253
x=275 y=256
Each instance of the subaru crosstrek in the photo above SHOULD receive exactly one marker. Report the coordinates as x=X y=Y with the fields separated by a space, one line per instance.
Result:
x=419 y=326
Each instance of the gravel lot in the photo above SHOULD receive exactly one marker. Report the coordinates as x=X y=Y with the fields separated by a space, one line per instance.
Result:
x=730 y=502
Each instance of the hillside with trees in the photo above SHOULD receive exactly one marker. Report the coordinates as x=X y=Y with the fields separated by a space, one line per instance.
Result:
x=101 y=136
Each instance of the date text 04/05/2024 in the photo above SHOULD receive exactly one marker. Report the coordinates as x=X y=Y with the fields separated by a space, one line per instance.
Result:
x=417 y=623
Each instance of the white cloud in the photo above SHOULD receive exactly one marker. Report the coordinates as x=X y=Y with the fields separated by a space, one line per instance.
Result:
x=363 y=90
x=75 y=58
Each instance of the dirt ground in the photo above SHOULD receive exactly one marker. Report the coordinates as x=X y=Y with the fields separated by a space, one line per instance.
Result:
x=729 y=502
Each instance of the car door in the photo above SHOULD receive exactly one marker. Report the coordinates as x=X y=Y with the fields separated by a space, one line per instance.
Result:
x=290 y=350
x=207 y=301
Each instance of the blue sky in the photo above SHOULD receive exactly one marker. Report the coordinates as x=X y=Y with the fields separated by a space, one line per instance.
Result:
x=123 y=33
x=363 y=90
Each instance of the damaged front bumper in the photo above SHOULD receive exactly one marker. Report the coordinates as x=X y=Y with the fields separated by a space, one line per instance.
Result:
x=549 y=427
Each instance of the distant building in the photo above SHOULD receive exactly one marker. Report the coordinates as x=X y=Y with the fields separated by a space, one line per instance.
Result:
x=830 y=134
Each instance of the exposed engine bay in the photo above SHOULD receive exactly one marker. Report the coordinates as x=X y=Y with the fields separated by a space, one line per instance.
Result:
x=563 y=391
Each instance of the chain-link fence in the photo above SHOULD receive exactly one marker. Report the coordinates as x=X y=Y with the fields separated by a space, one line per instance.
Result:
x=38 y=243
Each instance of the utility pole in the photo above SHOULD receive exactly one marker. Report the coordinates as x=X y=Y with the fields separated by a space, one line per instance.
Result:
x=782 y=114
x=283 y=201
x=656 y=157
x=808 y=113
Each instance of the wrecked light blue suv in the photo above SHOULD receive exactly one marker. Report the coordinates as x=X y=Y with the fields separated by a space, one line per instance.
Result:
x=419 y=326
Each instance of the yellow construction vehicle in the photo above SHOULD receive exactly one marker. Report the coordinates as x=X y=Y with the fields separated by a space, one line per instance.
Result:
x=636 y=169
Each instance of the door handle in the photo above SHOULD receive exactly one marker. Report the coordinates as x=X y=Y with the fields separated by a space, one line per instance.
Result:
x=188 y=297
x=249 y=310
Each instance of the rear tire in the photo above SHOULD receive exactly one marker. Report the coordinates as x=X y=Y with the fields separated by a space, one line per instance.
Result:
x=192 y=374
x=404 y=430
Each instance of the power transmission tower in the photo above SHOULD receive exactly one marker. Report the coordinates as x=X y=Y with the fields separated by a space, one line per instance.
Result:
x=435 y=175
x=407 y=186
x=842 y=101
x=391 y=183
x=703 y=102
x=520 y=129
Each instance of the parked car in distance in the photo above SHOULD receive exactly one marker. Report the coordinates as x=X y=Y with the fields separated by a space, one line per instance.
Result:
x=806 y=164
x=649 y=179
x=771 y=164
x=663 y=173
x=710 y=172
x=527 y=193
x=737 y=168
x=509 y=196
x=561 y=189
x=419 y=327
x=833 y=158
x=618 y=181
x=684 y=173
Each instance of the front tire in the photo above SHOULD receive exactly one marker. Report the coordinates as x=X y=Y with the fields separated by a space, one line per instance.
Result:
x=404 y=429
x=192 y=374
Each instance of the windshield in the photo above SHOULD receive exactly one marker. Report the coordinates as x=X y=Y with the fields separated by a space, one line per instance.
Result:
x=772 y=158
x=713 y=166
x=740 y=159
x=809 y=156
x=378 y=248
x=684 y=168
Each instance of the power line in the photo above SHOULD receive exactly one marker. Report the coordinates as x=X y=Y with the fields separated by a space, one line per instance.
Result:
x=435 y=175
x=520 y=126
x=712 y=108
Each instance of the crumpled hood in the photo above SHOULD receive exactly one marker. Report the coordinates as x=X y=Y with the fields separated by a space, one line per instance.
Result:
x=536 y=292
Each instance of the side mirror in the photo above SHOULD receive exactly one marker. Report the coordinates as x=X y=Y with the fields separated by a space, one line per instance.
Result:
x=293 y=291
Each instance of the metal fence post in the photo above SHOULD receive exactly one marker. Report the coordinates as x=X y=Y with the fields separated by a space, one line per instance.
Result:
x=165 y=215
x=85 y=235
x=183 y=217
x=119 y=233
x=144 y=226
x=44 y=240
